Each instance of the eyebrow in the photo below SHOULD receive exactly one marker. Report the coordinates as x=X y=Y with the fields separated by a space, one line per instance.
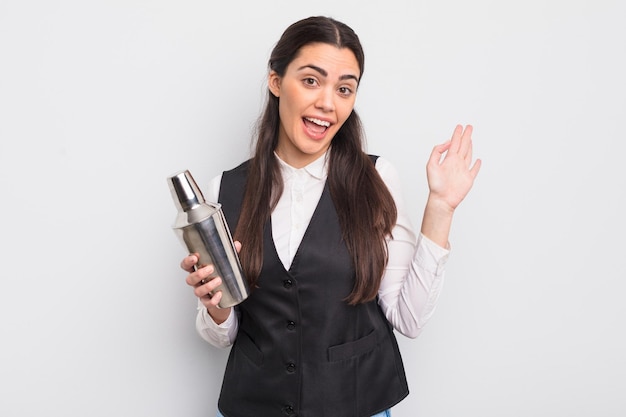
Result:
x=325 y=73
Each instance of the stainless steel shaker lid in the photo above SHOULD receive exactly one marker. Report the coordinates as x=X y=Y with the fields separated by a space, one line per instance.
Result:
x=185 y=191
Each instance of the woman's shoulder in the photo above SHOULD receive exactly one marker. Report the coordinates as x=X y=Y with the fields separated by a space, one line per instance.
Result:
x=390 y=175
x=238 y=173
x=242 y=167
x=383 y=165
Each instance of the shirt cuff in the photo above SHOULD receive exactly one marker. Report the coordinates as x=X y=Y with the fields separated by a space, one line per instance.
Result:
x=218 y=335
x=205 y=321
x=430 y=255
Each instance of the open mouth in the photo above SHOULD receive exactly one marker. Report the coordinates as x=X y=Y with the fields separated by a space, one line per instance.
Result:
x=316 y=126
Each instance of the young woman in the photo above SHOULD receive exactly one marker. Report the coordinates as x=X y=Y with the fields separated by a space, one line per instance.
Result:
x=333 y=262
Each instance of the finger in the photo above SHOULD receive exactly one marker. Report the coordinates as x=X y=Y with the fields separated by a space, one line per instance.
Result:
x=189 y=261
x=237 y=245
x=201 y=276
x=466 y=140
x=468 y=153
x=214 y=300
x=476 y=168
x=208 y=289
x=455 y=141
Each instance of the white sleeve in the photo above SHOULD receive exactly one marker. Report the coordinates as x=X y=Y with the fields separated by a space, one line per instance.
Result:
x=222 y=335
x=414 y=274
x=219 y=335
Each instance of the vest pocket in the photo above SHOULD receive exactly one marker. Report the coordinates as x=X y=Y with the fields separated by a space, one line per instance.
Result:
x=353 y=349
x=244 y=344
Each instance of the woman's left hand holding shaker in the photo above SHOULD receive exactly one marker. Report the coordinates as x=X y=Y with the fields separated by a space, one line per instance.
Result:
x=204 y=286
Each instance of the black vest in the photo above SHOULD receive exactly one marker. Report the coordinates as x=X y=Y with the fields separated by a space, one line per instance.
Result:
x=301 y=350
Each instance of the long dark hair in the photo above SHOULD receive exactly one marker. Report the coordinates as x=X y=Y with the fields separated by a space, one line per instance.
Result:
x=365 y=207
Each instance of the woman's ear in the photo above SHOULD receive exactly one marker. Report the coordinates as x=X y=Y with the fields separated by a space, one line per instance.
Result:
x=273 y=82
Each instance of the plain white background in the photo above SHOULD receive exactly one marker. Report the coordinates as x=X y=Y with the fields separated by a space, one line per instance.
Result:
x=100 y=101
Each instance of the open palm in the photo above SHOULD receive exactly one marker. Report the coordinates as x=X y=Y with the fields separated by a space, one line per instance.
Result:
x=449 y=169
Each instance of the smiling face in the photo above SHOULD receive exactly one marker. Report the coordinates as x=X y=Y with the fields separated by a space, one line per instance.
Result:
x=316 y=95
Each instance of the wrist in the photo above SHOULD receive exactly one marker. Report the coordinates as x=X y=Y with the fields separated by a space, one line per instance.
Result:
x=437 y=220
x=218 y=315
x=438 y=206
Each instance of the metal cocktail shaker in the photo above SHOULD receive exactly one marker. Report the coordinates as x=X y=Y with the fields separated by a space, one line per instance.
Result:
x=202 y=228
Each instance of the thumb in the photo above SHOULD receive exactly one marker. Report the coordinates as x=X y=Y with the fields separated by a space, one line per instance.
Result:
x=438 y=151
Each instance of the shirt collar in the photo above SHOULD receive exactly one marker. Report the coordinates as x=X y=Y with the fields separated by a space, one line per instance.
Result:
x=317 y=169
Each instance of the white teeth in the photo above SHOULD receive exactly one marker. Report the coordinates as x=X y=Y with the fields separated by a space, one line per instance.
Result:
x=318 y=122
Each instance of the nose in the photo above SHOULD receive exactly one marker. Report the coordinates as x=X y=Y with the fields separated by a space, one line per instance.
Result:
x=326 y=100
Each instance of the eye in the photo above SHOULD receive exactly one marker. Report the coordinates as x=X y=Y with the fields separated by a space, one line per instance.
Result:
x=345 y=91
x=309 y=81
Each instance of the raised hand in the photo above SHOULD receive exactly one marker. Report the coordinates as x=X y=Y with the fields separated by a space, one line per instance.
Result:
x=450 y=171
x=450 y=177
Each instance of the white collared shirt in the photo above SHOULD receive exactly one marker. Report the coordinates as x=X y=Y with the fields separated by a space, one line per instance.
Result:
x=413 y=276
x=291 y=217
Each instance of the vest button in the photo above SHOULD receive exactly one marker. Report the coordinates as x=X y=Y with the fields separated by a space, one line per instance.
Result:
x=287 y=283
x=291 y=324
x=291 y=368
x=289 y=410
